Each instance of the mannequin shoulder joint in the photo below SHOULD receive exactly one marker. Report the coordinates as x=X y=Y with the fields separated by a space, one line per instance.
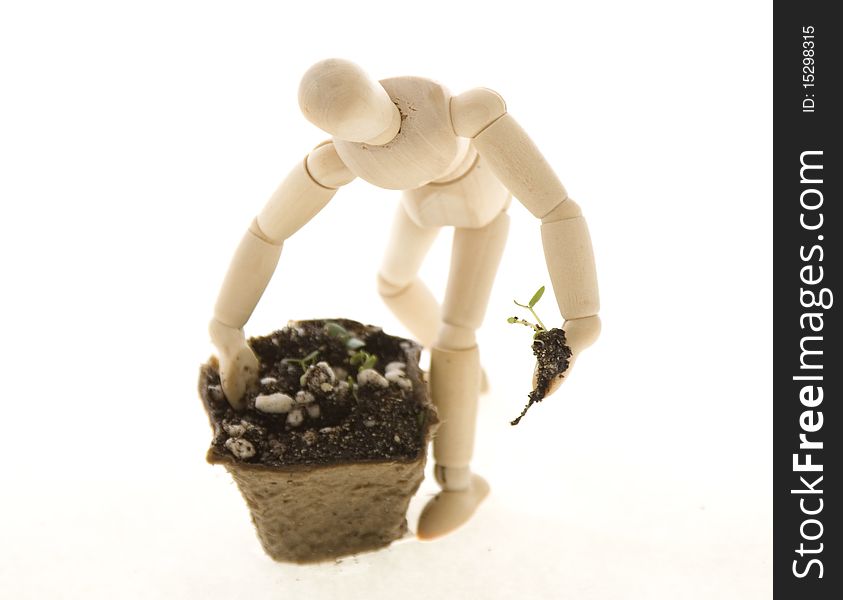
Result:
x=326 y=167
x=474 y=110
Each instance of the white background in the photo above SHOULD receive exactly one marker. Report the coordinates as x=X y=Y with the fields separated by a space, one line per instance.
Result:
x=137 y=141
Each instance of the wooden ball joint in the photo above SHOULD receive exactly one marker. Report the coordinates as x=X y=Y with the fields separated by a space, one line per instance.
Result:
x=458 y=160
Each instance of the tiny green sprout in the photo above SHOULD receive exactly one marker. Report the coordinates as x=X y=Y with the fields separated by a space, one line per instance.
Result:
x=336 y=330
x=363 y=360
x=352 y=385
x=342 y=334
x=524 y=322
x=537 y=296
x=305 y=362
x=538 y=326
x=370 y=362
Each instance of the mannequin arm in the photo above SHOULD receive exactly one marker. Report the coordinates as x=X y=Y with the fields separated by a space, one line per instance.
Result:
x=305 y=191
x=481 y=115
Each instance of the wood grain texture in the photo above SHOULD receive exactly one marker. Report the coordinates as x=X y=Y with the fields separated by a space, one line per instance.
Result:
x=297 y=200
x=337 y=96
x=570 y=262
x=425 y=148
x=455 y=387
x=248 y=274
x=415 y=306
x=520 y=166
x=475 y=257
x=326 y=168
x=474 y=110
x=470 y=201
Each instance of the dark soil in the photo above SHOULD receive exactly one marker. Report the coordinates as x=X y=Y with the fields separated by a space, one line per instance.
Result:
x=552 y=354
x=354 y=422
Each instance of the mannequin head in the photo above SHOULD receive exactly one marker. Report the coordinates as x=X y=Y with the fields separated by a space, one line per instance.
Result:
x=338 y=97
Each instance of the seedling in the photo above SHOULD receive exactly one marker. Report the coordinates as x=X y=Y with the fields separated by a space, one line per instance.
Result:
x=346 y=337
x=358 y=357
x=353 y=386
x=538 y=325
x=363 y=360
x=549 y=347
x=305 y=362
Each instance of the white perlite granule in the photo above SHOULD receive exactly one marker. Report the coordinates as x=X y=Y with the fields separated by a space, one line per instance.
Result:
x=234 y=429
x=371 y=377
x=319 y=377
x=399 y=378
x=295 y=418
x=303 y=397
x=240 y=448
x=274 y=403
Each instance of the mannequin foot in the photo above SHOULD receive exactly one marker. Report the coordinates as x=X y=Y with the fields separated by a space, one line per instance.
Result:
x=450 y=509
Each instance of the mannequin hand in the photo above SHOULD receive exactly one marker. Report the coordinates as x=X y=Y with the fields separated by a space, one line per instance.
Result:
x=556 y=381
x=579 y=335
x=238 y=364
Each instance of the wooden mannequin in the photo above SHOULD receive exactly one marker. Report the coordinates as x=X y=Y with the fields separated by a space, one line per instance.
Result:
x=458 y=159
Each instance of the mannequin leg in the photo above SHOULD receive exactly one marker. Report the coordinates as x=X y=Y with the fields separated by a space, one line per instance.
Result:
x=455 y=376
x=402 y=291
